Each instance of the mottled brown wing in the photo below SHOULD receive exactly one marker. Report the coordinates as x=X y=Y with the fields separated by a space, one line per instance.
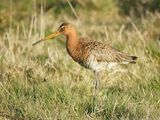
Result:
x=105 y=53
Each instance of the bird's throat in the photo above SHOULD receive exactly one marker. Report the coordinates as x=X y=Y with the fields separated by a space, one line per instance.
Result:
x=72 y=45
x=72 y=40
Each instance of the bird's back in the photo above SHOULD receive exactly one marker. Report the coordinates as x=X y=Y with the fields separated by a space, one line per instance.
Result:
x=96 y=55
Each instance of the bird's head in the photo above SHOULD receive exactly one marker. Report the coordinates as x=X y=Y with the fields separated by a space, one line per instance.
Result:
x=64 y=29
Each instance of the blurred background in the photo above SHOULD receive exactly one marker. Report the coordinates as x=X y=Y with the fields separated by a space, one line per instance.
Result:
x=43 y=82
x=88 y=11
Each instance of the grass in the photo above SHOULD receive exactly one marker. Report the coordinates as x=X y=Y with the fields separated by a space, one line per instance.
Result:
x=43 y=82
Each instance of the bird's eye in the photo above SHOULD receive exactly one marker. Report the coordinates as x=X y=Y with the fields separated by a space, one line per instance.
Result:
x=62 y=28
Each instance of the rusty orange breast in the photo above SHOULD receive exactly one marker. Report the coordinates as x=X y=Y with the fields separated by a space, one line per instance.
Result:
x=76 y=49
x=72 y=46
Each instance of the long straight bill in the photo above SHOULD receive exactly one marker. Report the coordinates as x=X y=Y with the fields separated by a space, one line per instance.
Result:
x=47 y=38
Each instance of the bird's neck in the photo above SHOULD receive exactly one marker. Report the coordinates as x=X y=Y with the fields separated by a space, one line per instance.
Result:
x=72 y=45
x=72 y=39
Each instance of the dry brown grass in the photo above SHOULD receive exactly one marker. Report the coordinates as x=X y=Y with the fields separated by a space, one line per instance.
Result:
x=43 y=82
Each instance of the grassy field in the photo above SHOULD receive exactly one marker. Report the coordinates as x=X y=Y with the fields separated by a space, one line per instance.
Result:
x=44 y=83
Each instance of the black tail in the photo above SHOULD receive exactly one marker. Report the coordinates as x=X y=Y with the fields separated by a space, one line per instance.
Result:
x=133 y=59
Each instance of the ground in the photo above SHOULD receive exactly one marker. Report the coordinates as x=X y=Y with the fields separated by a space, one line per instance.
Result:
x=43 y=82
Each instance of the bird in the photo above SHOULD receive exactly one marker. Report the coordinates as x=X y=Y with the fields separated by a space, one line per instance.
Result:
x=89 y=53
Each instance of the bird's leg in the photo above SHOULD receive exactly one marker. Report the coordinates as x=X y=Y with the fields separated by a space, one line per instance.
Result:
x=96 y=82
x=95 y=89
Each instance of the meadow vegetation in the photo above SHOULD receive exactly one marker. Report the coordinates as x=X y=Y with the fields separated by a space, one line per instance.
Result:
x=44 y=83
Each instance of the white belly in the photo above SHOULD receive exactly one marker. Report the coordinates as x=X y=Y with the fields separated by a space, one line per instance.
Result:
x=102 y=66
x=98 y=66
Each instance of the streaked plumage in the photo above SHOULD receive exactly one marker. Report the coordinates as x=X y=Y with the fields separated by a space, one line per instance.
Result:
x=97 y=56
x=90 y=54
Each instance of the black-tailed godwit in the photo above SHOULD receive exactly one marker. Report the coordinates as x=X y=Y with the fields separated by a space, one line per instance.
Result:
x=90 y=54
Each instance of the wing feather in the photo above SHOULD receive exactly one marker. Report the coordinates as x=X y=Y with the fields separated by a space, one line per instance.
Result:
x=104 y=52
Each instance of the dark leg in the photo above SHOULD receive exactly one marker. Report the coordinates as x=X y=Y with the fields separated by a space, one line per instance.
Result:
x=96 y=82
x=95 y=89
